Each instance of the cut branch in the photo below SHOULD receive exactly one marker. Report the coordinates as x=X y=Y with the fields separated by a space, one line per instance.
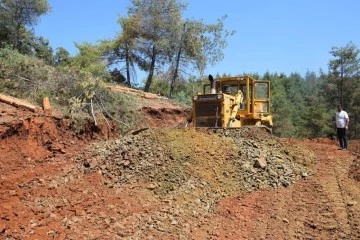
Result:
x=46 y=106
x=92 y=112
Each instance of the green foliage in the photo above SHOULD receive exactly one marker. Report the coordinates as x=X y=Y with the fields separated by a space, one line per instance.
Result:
x=156 y=21
x=89 y=60
x=343 y=83
x=43 y=50
x=62 y=57
x=183 y=97
x=22 y=76
x=155 y=36
x=318 y=121
x=16 y=18
x=122 y=109
x=160 y=85
x=344 y=68
x=122 y=52
x=298 y=107
x=195 y=46
x=281 y=107
x=81 y=95
x=205 y=42
x=184 y=90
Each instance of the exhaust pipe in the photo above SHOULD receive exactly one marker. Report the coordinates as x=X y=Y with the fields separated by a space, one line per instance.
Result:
x=213 y=85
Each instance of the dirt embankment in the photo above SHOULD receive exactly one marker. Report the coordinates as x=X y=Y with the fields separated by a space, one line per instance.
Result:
x=354 y=173
x=172 y=183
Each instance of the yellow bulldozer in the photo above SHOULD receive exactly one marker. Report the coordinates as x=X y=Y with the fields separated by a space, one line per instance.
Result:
x=232 y=102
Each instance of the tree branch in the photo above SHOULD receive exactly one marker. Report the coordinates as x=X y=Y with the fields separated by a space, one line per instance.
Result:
x=92 y=112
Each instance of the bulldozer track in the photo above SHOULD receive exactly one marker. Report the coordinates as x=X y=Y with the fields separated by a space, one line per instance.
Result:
x=322 y=206
x=331 y=216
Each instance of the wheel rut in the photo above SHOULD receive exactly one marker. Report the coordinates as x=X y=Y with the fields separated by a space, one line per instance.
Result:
x=324 y=200
x=324 y=205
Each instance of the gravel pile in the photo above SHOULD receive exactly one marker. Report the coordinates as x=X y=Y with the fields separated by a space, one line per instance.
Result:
x=189 y=171
x=264 y=160
x=169 y=159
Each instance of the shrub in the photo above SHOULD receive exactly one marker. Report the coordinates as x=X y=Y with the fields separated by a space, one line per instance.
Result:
x=79 y=94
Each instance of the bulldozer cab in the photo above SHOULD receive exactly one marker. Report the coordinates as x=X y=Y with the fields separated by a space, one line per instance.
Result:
x=233 y=102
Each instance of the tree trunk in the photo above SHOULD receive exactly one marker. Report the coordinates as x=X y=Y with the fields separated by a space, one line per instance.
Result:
x=355 y=126
x=127 y=59
x=17 y=33
x=172 y=85
x=341 y=84
x=175 y=72
x=151 y=70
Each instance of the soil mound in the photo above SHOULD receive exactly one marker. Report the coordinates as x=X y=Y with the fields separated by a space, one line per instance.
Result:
x=207 y=164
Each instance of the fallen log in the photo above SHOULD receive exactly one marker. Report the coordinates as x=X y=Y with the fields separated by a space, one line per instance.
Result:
x=136 y=92
x=17 y=102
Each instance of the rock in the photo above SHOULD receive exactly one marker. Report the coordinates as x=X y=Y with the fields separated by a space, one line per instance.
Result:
x=187 y=164
x=260 y=163
x=351 y=203
x=50 y=233
x=151 y=186
x=33 y=224
x=246 y=167
x=304 y=174
x=297 y=171
x=2 y=228
x=126 y=163
x=86 y=164
x=7 y=206
x=12 y=193
x=107 y=221
x=285 y=183
x=272 y=173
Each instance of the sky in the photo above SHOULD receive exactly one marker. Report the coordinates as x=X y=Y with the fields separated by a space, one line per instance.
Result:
x=278 y=36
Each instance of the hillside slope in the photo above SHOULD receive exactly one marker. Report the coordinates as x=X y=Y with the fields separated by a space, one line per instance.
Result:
x=171 y=182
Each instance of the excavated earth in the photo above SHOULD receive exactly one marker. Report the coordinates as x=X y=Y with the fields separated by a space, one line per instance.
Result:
x=164 y=181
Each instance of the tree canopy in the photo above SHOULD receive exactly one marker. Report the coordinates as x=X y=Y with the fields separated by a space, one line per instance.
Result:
x=156 y=38
x=17 y=16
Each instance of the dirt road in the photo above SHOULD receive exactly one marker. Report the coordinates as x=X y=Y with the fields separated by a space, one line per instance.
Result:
x=48 y=192
x=324 y=206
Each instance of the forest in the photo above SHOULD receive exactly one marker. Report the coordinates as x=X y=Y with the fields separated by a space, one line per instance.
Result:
x=156 y=38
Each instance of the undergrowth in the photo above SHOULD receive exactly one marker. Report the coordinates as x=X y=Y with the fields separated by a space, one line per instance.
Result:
x=76 y=94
